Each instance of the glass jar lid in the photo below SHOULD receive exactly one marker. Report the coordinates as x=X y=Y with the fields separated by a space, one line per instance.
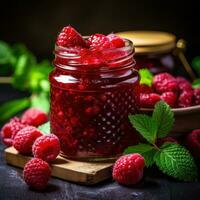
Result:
x=150 y=41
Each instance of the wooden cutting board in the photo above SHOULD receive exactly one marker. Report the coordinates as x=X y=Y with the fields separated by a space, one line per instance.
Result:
x=88 y=173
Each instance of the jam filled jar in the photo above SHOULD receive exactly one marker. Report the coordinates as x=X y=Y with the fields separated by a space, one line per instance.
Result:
x=91 y=101
x=159 y=52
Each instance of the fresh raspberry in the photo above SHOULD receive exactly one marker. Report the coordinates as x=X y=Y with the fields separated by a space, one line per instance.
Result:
x=25 y=138
x=46 y=147
x=10 y=129
x=165 y=82
x=197 y=96
x=169 y=98
x=128 y=169
x=34 y=117
x=185 y=99
x=69 y=37
x=193 y=142
x=36 y=173
x=116 y=41
x=166 y=139
x=149 y=100
x=145 y=89
x=183 y=84
x=99 y=41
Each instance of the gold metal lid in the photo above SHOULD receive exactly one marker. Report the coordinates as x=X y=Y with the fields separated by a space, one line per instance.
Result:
x=150 y=41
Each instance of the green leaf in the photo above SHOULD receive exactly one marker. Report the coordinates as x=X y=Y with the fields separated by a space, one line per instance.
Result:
x=164 y=117
x=149 y=157
x=45 y=128
x=146 y=77
x=146 y=150
x=22 y=70
x=176 y=161
x=38 y=77
x=196 y=83
x=196 y=64
x=11 y=108
x=145 y=125
x=6 y=55
x=40 y=101
x=139 y=148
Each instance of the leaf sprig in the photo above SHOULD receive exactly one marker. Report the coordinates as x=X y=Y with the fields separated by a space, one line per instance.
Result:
x=27 y=75
x=171 y=158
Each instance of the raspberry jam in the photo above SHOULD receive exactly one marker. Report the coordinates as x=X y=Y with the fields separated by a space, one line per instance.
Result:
x=91 y=100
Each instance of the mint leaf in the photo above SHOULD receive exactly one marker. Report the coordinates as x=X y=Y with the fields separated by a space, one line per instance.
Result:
x=145 y=125
x=45 y=128
x=196 y=83
x=10 y=108
x=164 y=117
x=6 y=56
x=146 y=150
x=149 y=157
x=196 y=64
x=38 y=77
x=176 y=161
x=23 y=66
x=139 y=148
x=40 y=101
x=146 y=77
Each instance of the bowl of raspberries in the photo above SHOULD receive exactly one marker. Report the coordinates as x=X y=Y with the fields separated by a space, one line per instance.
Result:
x=177 y=92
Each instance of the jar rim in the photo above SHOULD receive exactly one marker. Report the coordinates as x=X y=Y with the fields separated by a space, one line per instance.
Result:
x=74 y=61
x=73 y=52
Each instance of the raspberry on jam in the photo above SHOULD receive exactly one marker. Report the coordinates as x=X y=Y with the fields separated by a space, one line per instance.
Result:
x=92 y=94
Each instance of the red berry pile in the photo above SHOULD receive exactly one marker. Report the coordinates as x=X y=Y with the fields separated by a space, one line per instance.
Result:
x=93 y=51
x=32 y=117
x=193 y=142
x=175 y=91
x=27 y=139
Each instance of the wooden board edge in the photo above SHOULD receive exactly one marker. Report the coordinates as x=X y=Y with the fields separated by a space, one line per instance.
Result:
x=60 y=172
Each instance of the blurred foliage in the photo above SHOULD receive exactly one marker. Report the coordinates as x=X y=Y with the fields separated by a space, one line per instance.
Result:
x=196 y=68
x=196 y=65
x=27 y=75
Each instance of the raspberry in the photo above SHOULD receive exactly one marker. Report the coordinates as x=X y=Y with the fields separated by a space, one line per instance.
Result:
x=99 y=41
x=128 y=169
x=193 y=142
x=145 y=89
x=169 y=98
x=25 y=138
x=197 y=96
x=69 y=37
x=165 y=82
x=116 y=41
x=149 y=100
x=166 y=139
x=34 y=117
x=36 y=173
x=10 y=129
x=185 y=99
x=183 y=84
x=46 y=147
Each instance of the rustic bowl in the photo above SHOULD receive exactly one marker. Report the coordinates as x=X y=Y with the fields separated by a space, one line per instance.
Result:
x=186 y=119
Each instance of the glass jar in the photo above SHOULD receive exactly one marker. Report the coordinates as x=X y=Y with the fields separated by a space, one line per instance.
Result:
x=90 y=103
x=159 y=52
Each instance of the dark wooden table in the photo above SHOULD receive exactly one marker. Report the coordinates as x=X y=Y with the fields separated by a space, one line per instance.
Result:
x=154 y=185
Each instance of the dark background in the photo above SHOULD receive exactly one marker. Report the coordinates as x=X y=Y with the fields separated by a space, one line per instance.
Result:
x=36 y=23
